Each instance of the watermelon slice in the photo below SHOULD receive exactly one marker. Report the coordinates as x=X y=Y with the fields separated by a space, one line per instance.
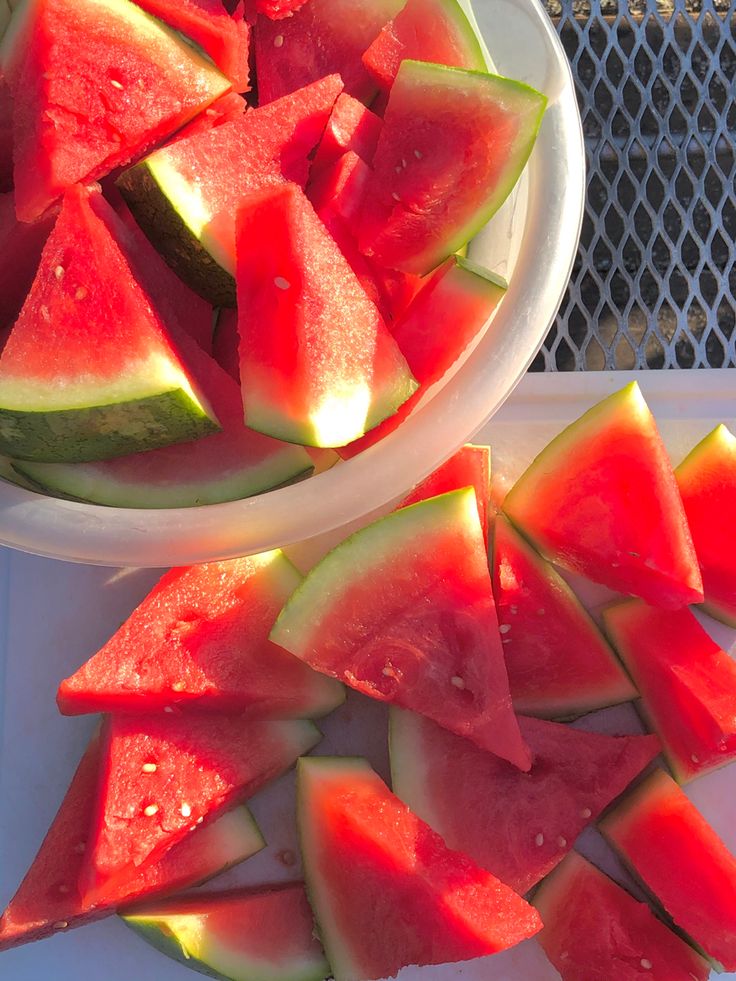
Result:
x=21 y=245
x=185 y=196
x=707 y=482
x=48 y=900
x=385 y=889
x=90 y=370
x=601 y=500
x=351 y=126
x=244 y=935
x=451 y=309
x=163 y=777
x=671 y=847
x=226 y=343
x=517 y=825
x=403 y=612
x=688 y=684
x=437 y=31
x=199 y=641
x=317 y=364
x=133 y=82
x=595 y=931
x=559 y=664
x=453 y=145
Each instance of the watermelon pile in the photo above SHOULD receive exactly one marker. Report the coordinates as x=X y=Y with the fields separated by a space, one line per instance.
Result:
x=302 y=172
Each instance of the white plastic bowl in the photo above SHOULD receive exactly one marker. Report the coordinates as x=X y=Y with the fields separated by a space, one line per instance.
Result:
x=532 y=241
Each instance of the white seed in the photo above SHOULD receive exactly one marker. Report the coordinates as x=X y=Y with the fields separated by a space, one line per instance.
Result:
x=278 y=40
x=44 y=311
x=281 y=283
x=150 y=810
x=403 y=163
x=418 y=154
x=200 y=819
x=695 y=759
x=149 y=767
x=59 y=272
x=179 y=686
x=506 y=640
x=562 y=842
x=395 y=196
x=586 y=813
x=186 y=811
x=539 y=840
x=513 y=609
x=457 y=681
x=116 y=84
x=61 y=925
x=504 y=628
x=81 y=293
x=168 y=709
x=646 y=964
x=564 y=955
x=388 y=672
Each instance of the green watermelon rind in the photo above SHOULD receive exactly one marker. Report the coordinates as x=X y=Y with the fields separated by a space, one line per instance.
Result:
x=409 y=766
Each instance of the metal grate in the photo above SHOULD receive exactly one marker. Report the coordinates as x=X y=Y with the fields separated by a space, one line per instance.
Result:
x=655 y=278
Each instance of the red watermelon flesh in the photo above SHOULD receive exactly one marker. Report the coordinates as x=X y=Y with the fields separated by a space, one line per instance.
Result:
x=707 y=482
x=278 y=9
x=226 y=342
x=223 y=110
x=559 y=663
x=595 y=931
x=450 y=310
x=517 y=825
x=48 y=900
x=161 y=777
x=673 y=850
x=351 y=126
x=403 y=612
x=386 y=890
x=687 y=683
x=6 y=137
x=601 y=500
x=225 y=38
x=21 y=245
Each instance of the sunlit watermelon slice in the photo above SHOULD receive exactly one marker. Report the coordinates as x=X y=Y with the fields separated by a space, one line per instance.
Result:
x=673 y=850
x=601 y=499
x=351 y=126
x=21 y=245
x=595 y=931
x=386 y=890
x=559 y=663
x=517 y=825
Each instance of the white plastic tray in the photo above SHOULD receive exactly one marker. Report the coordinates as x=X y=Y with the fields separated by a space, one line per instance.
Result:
x=54 y=615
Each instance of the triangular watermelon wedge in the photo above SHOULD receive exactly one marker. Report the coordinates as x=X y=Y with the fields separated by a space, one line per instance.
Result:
x=601 y=500
x=386 y=890
x=559 y=663
x=403 y=612
x=517 y=825
x=351 y=126
x=161 y=778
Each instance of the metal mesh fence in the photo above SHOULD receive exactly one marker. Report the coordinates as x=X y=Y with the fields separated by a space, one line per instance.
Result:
x=654 y=283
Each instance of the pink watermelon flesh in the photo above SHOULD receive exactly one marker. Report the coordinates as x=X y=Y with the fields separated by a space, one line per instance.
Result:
x=132 y=84
x=517 y=825
x=350 y=127
x=673 y=850
x=595 y=931
x=687 y=683
x=305 y=377
x=602 y=500
x=160 y=778
x=403 y=612
x=386 y=890
x=288 y=58
x=226 y=343
x=223 y=110
x=21 y=245
x=6 y=138
x=559 y=663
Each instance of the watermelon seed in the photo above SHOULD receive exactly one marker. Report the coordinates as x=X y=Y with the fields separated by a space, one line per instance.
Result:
x=61 y=925
x=150 y=810
x=395 y=196
x=278 y=40
x=115 y=84
x=81 y=293
x=418 y=154
x=281 y=283
x=63 y=889
x=504 y=628
x=45 y=313
x=149 y=768
x=564 y=955
x=186 y=810
x=457 y=681
x=586 y=813
x=403 y=164
x=179 y=686
x=539 y=840
x=540 y=613
x=562 y=842
x=646 y=964
x=695 y=759
x=59 y=272
x=513 y=609
x=635 y=555
x=168 y=709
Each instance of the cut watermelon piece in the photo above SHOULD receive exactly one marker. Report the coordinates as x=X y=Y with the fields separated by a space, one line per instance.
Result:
x=687 y=683
x=185 y=196
x=133 y=82
x=436 y=31
x=162 y=777
x=595 y=931
x=244 y=935
x=385 y=889
x=670 y=846
x=21 y=245
x=351 y=126
x=317 y=364
x=278 y=9
x=707 y=482
x=226 y=343
x=559 y=663
x=403 y=612
x=48 y=900
x=601 y=500
x=517 y=825
x=453 y=145
x=90 y=370
x=451 y=309
x=288 y=58
x=199 y=641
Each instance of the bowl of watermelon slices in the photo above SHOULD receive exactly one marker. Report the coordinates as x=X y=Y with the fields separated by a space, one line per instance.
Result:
x=264 y=270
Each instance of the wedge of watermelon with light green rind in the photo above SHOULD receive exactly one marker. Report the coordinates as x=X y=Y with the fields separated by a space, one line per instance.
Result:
x=185 y=196
x=517 y=825
x=687 y=683
x=48 y=900
x=317 y=363
x=437 y=31
x=560 y=665
x=707 y=482
x=453 y=145
x=95 y=83
x=21 y=245
x=265 y=933
x=367 y=856
x=594 y=931
x=676 y=854
x=601 y=500
x=351 y=126
x=403 y=612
